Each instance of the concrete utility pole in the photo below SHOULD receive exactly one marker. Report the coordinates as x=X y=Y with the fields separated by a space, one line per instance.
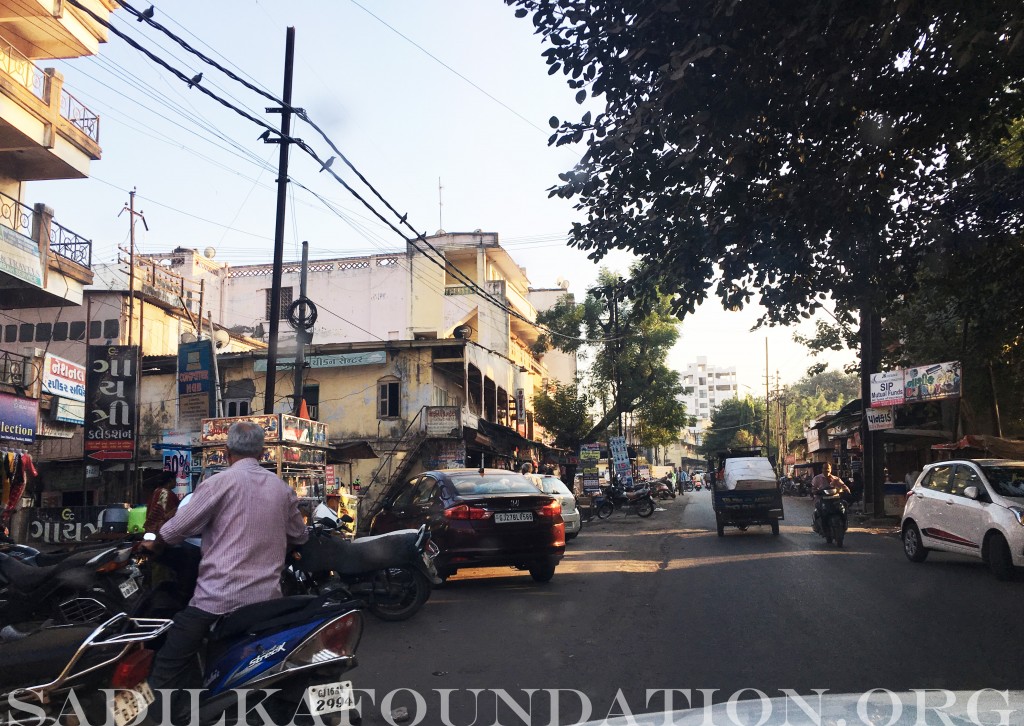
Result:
x=282 y=198
x=132 y=216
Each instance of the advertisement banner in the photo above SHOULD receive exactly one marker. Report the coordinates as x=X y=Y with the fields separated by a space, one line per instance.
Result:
x=339 y=360
x=590 y=456
x=880 y=418
x=215 y=430
x=443 y=422
x=620 y=456
x=19 y=257
x=886 y=388
x=19 y=418
x=111 y=383
x=63 y=378
x=196 y=392
x=447 y=455
x=179 y=461
x=66 y=411
x=933 y=382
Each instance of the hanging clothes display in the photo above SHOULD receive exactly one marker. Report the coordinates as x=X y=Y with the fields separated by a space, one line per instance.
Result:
x=16 y=468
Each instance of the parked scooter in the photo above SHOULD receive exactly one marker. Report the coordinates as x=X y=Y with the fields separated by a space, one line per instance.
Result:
x=637 y=500
x=39 y=669
x=830 y=519
x=80 y=586
x=390 y=574
x=663 y=490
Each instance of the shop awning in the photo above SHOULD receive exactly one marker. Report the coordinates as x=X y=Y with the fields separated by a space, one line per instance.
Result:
x=1001 y=448
x=346 y=451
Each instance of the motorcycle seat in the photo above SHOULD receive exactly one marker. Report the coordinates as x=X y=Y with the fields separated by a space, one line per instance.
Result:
x=366 y=554
x=23 y=577
x=259 y=617
x=40 y=656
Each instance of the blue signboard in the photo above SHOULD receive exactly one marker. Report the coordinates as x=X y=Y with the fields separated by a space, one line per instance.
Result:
x=196 y=392
x=18 y=418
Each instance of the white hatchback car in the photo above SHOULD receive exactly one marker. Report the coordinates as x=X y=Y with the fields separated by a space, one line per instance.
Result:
x=968 y=506
x=570 y=514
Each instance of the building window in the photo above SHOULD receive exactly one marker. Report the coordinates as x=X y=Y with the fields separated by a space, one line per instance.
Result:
x=25 y=332
x=388 y=398
x=111 y=329
x=76 y=330
x=286 y=300
x=60 y=331
x=236 y=407
x=43 y=332
x=311 y=395
x=95 y=329
x=10 y=333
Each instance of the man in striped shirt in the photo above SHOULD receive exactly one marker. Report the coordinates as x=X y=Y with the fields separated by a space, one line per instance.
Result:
x=247 y=518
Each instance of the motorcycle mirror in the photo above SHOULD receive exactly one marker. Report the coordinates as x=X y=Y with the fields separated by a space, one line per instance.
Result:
x=347 y=518
x=325 y=523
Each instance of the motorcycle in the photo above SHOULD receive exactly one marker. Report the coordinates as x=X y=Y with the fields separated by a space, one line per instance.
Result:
x=390 y=574
x=830 y=519
x=638 y=501
x=663 y=490
x=294 y=650
x=40 y=668
x=79 y=586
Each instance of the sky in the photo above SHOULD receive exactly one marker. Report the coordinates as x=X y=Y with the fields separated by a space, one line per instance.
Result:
x=443 y=106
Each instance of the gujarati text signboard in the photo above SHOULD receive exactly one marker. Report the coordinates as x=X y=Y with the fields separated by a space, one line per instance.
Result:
x=879 y=418
x=620 y=456
x=933 y=382
x=110 y=399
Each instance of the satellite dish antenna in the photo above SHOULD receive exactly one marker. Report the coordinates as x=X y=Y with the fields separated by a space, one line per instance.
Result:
x=462 y=332
x=562 y=283
x=209 y=253
x=188 y=338
x=221 y=339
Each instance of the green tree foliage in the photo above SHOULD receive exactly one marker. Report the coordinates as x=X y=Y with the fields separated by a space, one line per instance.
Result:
x=816 y=394
x=795 y=149
x=650 y=390
x=736 y=423
x=566 y=413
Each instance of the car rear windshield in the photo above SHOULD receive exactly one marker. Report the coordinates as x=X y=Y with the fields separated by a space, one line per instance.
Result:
x=493 y=484
x=1008 y=481
x=551 y=485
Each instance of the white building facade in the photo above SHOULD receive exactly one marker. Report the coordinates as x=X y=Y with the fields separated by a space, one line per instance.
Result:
x=707 y=387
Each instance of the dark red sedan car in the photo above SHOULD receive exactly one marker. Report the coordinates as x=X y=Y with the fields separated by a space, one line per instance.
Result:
x=494 y=519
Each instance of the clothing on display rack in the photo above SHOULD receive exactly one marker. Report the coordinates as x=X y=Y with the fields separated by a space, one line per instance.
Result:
x=16 y=467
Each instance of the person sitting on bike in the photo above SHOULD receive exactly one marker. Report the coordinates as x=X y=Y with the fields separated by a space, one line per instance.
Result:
x=821 y=482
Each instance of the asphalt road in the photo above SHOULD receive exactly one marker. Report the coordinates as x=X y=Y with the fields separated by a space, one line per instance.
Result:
x=649 y=605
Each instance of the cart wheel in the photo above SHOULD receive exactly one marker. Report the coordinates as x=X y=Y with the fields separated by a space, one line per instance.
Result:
x=775 y=528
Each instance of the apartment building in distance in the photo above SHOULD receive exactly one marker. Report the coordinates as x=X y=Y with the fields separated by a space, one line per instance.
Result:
x=707 y=386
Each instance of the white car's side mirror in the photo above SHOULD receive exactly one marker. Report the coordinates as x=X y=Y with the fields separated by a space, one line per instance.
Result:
x=971 y=493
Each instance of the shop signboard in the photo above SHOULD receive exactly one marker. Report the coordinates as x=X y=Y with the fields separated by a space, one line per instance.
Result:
x=111 y=381
x=447 y=455
x=65 y=411
x=303 y=430
x=443 y=422
x=196 y=392
x=932 y=382
x=63 y=378
x=179 y=462
x=19 y=418
x=338 y=360
x=886 y=388
x=880 y=418
x=19 y=257
x=620 y=456
x=590 y=456
x=215 y=430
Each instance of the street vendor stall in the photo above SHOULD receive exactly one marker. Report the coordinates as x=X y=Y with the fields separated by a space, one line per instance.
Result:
x=296 y=450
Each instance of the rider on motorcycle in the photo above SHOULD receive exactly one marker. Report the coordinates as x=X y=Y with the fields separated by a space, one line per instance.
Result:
x=823 y=481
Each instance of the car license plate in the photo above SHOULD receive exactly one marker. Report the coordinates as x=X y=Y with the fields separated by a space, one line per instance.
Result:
x=129 y=587
x=501 y=517
x=128 y=704
x=330 y=697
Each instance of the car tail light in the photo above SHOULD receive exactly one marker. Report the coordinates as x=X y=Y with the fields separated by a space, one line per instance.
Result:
x=560 y=534
x=552 y=508
x=464 y=511
x=337 y=639
x=132 y=670
x=111 y=566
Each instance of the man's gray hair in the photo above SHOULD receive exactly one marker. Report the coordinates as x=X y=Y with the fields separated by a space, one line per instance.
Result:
x=246 y=439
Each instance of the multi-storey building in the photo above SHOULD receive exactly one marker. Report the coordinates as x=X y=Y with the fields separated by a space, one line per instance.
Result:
x=707 y=386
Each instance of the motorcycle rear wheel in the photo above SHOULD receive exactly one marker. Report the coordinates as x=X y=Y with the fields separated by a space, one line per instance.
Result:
x=645 y=508
x=415 y=591
x=605 y=510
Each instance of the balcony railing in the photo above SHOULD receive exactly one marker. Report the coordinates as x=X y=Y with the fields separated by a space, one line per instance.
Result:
x=70 y=246
x=63 y=242
x=21 y=69
x=459 y=290
x=27 y=74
